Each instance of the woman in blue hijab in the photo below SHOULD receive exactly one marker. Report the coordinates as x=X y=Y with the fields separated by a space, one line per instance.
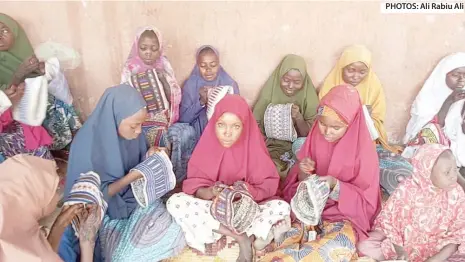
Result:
x=110 y=144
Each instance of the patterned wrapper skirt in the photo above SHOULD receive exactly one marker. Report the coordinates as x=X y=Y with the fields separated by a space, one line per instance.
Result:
x=393 y=169
x=335 y=242
x=12 y=142
x=149 y=234
x=194 y=217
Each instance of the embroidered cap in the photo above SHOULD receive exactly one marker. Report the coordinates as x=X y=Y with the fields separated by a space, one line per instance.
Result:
x=158 y=179
x=278 y=122
x=310 y=199
x=215 y=94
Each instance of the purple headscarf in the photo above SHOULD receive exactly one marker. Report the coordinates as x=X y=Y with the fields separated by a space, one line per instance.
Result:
x=190 y=110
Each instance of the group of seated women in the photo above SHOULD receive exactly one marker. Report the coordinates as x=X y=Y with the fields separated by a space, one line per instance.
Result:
x=299 y=175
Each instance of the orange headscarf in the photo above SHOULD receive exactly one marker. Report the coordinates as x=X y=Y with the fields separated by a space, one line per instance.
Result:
x=27 y=185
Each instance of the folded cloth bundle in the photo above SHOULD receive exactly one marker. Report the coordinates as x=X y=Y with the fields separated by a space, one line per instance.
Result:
x=235 y=208
x=310 y=199
x=33 y=105
x=278 y=122
x=215 y=94
x=86 y=190
x=158 y=178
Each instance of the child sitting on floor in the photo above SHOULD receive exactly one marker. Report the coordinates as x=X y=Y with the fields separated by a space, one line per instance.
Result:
x=424 y=219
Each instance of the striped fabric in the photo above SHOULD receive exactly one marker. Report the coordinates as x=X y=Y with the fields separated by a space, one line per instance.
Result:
x=86 y=190
x=158 y=179
x=151 y=89
x=215 y=95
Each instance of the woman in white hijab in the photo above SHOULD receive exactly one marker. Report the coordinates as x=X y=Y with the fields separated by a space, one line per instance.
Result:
x=437 y=114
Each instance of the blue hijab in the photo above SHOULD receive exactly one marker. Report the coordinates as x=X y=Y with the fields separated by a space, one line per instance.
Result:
x=98 y=147
x=190 y=110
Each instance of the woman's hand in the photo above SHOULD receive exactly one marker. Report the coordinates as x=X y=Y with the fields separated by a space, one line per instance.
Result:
x=307 y=165
x=154 y=149
x=456 y=96
x=203 y=93
x=27 y=67
x=90 y=219
x=68 y=213
x=295 y=113
x=15 y=93
x=332 y=181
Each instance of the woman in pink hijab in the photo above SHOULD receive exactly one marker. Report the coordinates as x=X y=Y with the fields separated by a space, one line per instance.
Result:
x=231 y=152
x=28 y=193
x=339 y=151
x=149 y=71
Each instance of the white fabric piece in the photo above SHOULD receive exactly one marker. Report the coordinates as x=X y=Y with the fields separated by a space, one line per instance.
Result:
x=5 y=102
x=215 y=94
x=370 y=124
x=453 y=130
x=278 y=122
x=194 y=217
x=33 y=105
x=57 y=83
x=432 y=95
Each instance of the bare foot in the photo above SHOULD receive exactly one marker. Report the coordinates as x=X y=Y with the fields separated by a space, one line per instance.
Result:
x=280 y=228
x=260 y=243
x=245 y=246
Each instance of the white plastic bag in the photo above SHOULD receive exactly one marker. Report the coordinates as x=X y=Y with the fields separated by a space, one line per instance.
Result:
x=57 y=84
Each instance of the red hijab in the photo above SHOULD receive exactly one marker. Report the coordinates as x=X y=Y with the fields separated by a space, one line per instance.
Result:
x=247 y=160
x=352 y=160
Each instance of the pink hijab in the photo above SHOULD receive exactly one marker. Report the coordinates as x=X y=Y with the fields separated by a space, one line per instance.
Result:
x=27 y=185
x=421 y=217
x=352 y=160
x=247 y=160
x=134 y=65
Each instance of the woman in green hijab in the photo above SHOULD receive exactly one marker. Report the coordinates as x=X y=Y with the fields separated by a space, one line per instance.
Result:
x=289 y=83
x=18 y=62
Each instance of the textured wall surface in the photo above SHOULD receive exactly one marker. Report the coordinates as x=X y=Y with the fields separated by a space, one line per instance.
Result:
x=252 y=38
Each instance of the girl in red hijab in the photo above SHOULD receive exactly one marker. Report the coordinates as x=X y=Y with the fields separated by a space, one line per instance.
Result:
x=231 y=150
x=338 y=150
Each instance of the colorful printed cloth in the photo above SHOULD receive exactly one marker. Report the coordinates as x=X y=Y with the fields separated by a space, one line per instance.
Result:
x=327 y=243
x=431 y=133
x=149 y=234
x=393 y=169
x=12 y=143
x=421 y=217
x=158 y=179
x=61 y=122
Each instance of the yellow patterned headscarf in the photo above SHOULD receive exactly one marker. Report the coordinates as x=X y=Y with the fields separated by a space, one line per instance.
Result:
x=370 y=89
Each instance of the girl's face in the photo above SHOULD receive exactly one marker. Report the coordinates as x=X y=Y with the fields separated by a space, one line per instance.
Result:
x=292 y=82
x=455 y=79
x=332 y=129
x=354 y=73
x=209 y=65
x=149 y=48
x=444 y=173
x=131 y=127
x=228 y=129
x=7 y=38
